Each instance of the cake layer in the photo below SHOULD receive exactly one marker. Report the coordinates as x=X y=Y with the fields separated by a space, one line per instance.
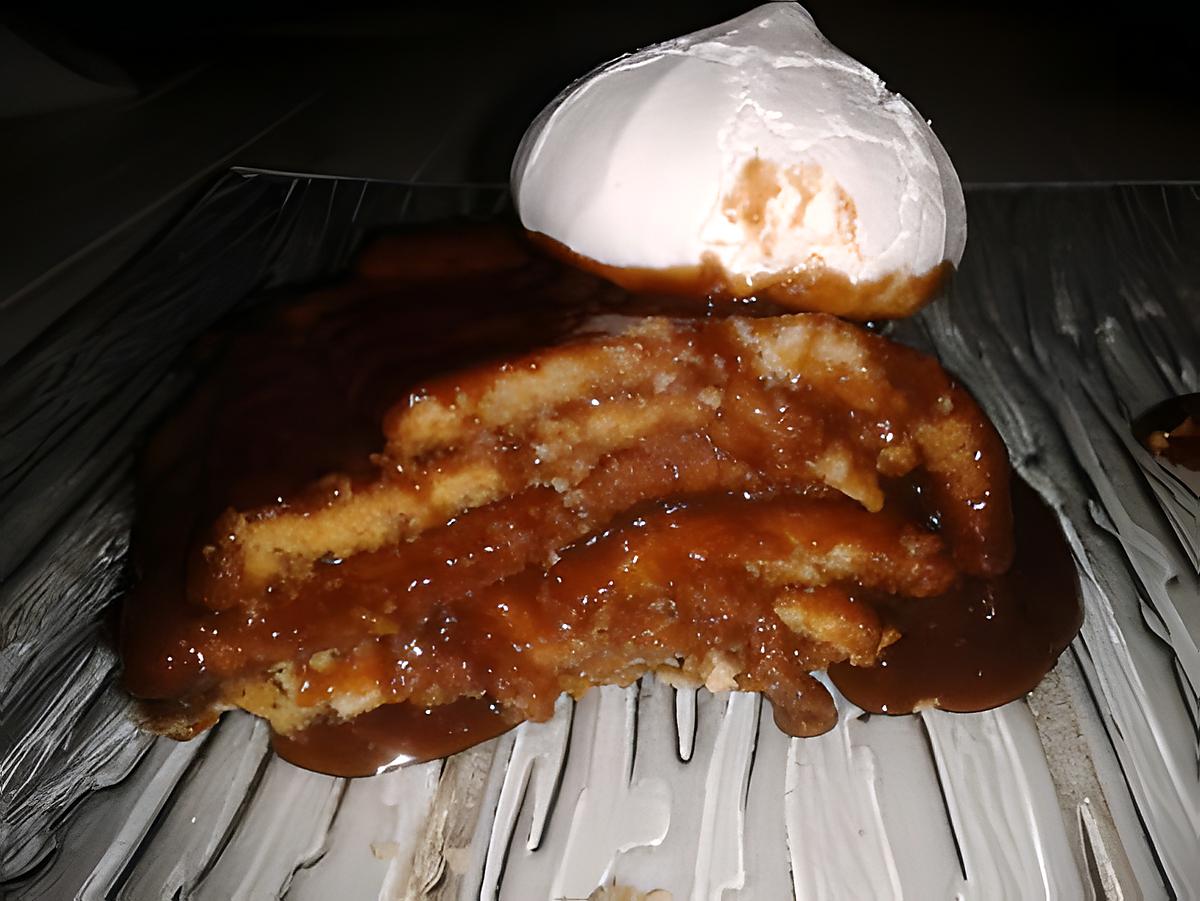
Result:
x=799 y=401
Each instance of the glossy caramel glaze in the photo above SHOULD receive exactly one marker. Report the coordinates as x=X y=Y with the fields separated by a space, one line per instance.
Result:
x=986 y=641
x=702 y=551
x=795 y=401
x=392 y=735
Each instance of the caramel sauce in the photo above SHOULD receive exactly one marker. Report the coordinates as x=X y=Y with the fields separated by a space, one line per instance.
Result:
x=391 y=736
x=987 y=641
x=812 y=289
x=474 y=626
x=1171 y=430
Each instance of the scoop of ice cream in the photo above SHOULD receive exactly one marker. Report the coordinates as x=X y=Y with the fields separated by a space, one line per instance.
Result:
x=749 y=158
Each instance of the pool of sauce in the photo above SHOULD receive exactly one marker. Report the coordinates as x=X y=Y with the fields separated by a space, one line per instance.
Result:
x=987 y=641
x=1171 y=430
x=299 y=391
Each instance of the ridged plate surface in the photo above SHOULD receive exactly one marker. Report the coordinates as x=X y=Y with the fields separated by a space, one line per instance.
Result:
x=1075 y=309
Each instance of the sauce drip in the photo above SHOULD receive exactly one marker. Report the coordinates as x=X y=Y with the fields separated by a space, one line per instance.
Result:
x=1171 y=430
x=986 y=642
x=391 y=736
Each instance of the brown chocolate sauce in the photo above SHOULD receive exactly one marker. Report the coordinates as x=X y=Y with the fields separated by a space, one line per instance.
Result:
x=986 y=642
x=1171 y=430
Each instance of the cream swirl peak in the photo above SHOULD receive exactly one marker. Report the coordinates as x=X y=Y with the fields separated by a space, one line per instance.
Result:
x=756 y=154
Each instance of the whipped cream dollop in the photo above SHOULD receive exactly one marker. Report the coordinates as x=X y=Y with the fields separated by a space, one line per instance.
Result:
x=756 y=151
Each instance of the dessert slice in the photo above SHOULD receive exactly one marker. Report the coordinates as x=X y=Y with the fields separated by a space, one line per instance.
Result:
x=721 y=500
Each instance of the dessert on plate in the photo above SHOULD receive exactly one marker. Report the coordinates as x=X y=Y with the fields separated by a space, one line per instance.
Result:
x=632 y=436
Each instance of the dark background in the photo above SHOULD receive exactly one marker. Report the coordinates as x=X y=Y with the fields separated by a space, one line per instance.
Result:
x=1017 y=91
x=113 y=120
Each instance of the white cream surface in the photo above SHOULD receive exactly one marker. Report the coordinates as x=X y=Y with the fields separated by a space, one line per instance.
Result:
x=635 y=164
